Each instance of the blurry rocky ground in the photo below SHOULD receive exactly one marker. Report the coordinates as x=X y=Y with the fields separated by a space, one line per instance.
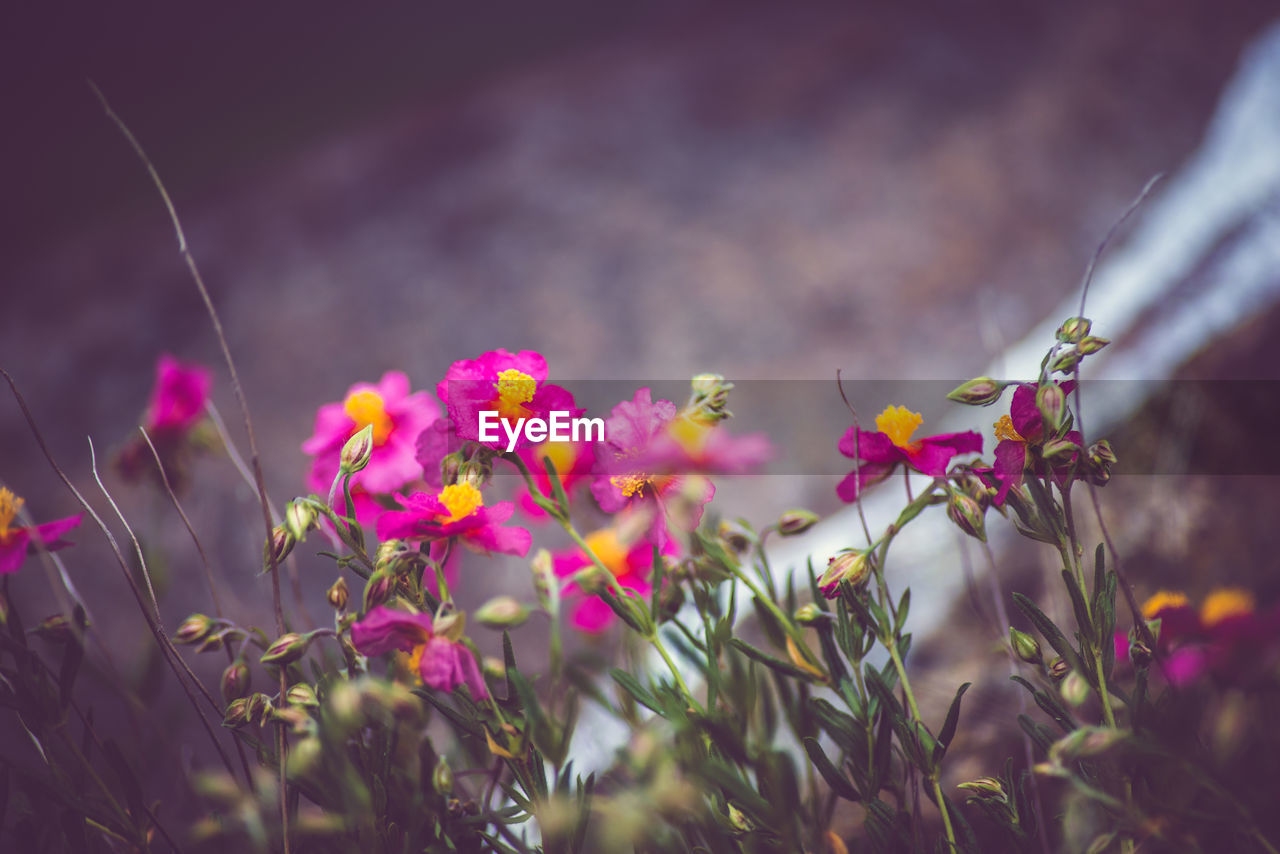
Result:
x=766 y=191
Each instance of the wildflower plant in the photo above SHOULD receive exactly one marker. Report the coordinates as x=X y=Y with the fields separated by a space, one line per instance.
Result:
x=758 y=711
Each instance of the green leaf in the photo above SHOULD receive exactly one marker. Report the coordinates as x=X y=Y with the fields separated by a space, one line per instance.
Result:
x=842 y=728
x=633 y=687
x=904 y=605
x=1049 y=631
x=1039 y=733
x=948 y=730
x=1083 y=619
x=837 y=781
x=1049 y=703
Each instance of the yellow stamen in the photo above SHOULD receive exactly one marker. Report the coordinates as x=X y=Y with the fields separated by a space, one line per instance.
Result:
x=1163 y=599
x=563 y=455
x=898 y=423
x=411 y=662
x=365 y=408
x=630 y=484
x=1226 y=602
x=461 y=499
x=10 y=504
x=516 y=387
x=1004 y=430
x=606 y=545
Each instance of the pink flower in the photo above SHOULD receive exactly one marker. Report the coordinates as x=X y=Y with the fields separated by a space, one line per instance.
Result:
x=457 y=511
x=574 y=462
x=624 y=482
x=512 y=385
x=687 y=445
x=443 y=664
x=882 y=450
x=630 y=564
x=178 y=398
x=17 y=542
x=1022 y=427
x=398 y=418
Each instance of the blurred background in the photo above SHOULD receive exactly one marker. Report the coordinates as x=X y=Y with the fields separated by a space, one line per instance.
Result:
x=638 y=191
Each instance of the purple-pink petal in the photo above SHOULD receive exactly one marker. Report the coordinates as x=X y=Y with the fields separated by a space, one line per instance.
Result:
x=178 y=399
x=866 y=475
x=384 y=629
x=633 y=424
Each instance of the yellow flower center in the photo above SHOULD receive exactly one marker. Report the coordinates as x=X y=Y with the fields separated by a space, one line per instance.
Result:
x=411 y=662
x=898 y=423
x=1004 y=430
x=1163 y=599
x=515 y=388
x=605 y=545
x=10 y=504
x=563 y=455
x=461 y=499
x=691 y=435
x=630 y=484
x=1226 y=602
x=365 y=408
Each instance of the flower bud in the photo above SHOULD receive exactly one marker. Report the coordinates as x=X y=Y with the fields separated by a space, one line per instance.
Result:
x=276 y=549
x=1084 y=743
x=1025 y=646
x=797 y=521
x=213 y=642
x=357 y=452
x=1100 y=460
x=810 y=614
x=193 y=629
x=338 y=595
x=450 y=466
x=1060 y=449
x=850 y=566
x=986 y=788
x=392 y=556
x=980 y=391
x=301 y=694
x=442 y=778
x=967 y=514
x=304 y=755
x=286 y=649
x=1139 y=653
x=501 y=612
x=1066 y=360
x=260 y=708
x=545 y=584
x=1052 y=403
x=237 y=712
x=1057 y=667
x=299 y=518
x=709 y=399
x=451 y=626
x=1074 y=688
x=56 y=629
x=378 y=589
x=476 y=472
x=1073 y=329
x=737 y=537
x=739 y=819
x=670 y=600
x=235 y=680
x=1090 y=345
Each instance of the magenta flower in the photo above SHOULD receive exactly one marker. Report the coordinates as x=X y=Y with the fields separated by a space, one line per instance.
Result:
x=398 y=418
x=687 y=446
x=630 y=564
x=574 y=462
x=512 y=385
x=178 y=398
x=881 y=451
x=443 y=664
x=1023 y=426
x=625 y=483
x=457 y=511
x=16 y=542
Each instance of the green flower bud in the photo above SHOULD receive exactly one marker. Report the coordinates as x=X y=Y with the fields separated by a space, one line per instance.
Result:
x=739 y=819
x=797 y=521
x=501 y=612
x=193 y=629
x=1025 y=646
x=237 y=713
x=357 y=452
x=1059 y=449
x=442 y=778
x=304 y=756
x=810 y=614
x=286 y=649
x=1091 y=345
x=852 y=566
x=1052 y=403
x=235 y=680
x=670 y=600
x=737 y=537
x=451 y=626
x=378 y=589
x=967 y=514
x=986 y=788
x=260 y=708
x=1057 y=667
x=277 y=548
x=301 y=694
x=980 y=391
x=1099 y=462
x=299 y=518
x=1085 y=743
x=1073 y=329
x=393 y=556
x=450 y=466
x=338 y=595
x=1074 y=688
x=56 y=629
